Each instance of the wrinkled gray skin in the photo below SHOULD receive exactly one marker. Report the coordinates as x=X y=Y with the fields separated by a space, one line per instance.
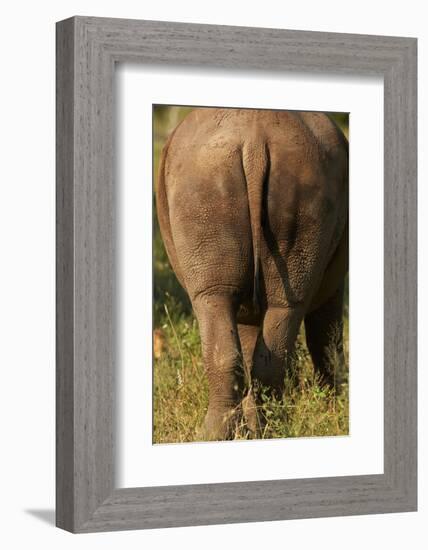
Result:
x=253 y=211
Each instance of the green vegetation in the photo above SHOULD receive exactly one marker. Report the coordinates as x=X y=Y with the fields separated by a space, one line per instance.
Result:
x=180 y=387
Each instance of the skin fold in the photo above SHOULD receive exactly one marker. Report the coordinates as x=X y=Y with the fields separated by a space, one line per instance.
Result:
x=253 y=211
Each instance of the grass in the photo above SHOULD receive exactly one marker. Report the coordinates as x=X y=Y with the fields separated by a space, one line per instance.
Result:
x=181 y=392
x=306 y=408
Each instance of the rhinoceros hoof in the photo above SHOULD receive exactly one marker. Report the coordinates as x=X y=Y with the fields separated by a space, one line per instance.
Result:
x=219 y=425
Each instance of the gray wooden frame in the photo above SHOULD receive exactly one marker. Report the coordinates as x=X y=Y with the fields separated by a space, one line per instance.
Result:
x=87 y=50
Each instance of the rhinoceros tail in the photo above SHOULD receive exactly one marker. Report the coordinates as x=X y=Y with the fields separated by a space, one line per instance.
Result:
x=256 y=164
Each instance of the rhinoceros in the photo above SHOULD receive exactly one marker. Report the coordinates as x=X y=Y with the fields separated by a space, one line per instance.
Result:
x=253 y=210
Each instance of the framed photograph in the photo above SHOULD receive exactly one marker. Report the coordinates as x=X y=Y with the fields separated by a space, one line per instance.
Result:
x=236 y=274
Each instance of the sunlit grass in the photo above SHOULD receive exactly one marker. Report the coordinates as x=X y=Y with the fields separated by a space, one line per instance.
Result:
x=307 y=408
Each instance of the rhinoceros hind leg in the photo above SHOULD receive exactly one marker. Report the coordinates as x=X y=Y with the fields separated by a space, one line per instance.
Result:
x=275 y=347
x=324 y=338
x=223 y=365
